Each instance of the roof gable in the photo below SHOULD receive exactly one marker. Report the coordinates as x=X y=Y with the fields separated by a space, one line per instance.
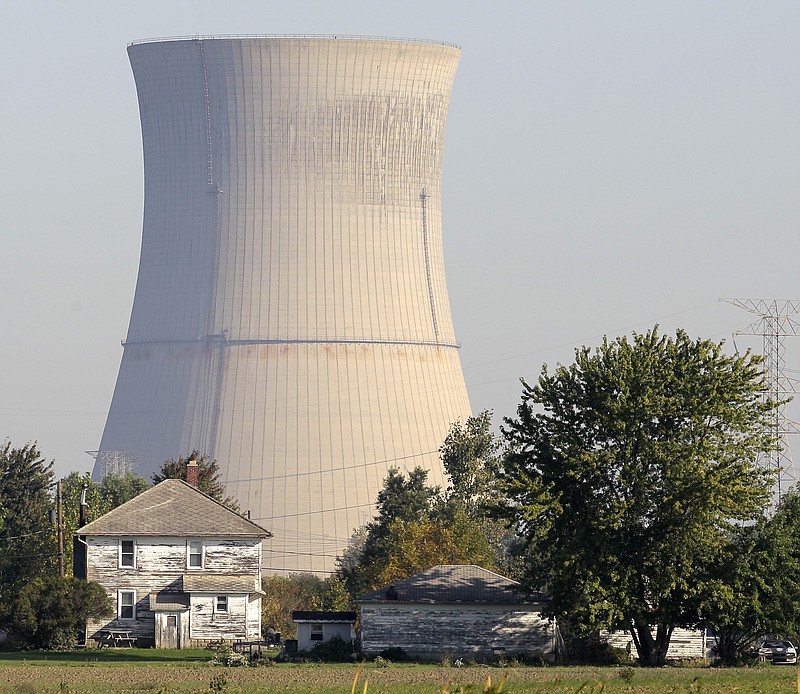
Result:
x=173 y=508
x=454 y=583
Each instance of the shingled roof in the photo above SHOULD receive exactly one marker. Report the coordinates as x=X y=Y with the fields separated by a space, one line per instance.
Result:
x=173 y=508
x=454 y=583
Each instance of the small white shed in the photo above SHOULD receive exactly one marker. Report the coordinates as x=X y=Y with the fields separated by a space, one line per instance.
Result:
x=314 y=628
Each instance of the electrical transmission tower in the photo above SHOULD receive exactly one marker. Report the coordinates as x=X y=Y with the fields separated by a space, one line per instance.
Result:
x=777 y=320
x=118 y=463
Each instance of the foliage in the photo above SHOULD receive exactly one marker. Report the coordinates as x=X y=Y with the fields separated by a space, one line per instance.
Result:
x=50 y=612
x=755 y=583
x=209 y=476
x=335 y=650
x=299 y=591
x=470 y=456
x=101 y=498
x=402 y=501
x=625 y=474
x=28 y=546
x=418 y=526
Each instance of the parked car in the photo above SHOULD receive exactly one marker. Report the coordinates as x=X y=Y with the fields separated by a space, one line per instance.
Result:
x=778 y=652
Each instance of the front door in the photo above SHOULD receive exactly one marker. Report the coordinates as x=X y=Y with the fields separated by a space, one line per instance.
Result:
x=171 y=638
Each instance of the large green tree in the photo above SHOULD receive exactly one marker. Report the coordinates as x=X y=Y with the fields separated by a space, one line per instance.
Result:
x=626 y=474
x=209 y=476
x=28 y=546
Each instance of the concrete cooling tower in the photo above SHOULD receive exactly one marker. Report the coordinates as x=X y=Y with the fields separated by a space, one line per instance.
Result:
x=291 y=317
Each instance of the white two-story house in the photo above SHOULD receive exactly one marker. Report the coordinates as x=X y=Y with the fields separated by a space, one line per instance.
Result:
x=181 y=568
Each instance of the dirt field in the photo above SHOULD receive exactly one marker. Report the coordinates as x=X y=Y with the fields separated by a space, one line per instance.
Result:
x=81 y=675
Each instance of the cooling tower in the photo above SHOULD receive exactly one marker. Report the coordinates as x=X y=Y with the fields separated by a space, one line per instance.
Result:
x=291 y=317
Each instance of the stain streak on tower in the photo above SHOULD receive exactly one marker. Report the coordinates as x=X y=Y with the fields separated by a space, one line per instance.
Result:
x=291 y=316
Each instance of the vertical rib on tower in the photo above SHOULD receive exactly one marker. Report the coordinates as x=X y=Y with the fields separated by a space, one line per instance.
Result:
x=291 y=317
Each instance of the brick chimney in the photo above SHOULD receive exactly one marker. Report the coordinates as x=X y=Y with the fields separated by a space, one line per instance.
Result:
x=192 y=473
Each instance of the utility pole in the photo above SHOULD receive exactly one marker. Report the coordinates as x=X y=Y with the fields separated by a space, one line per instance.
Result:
x=777 y=320
x=60 y=522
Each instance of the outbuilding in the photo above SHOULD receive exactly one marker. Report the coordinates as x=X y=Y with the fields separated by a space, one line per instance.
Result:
x=457 y=611
x=314 y=628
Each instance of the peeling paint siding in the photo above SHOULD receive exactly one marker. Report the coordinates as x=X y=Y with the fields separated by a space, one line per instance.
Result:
x=434 y=631
x=684 y=644
x=160 y=563
x=208 y=624
x=254 y=617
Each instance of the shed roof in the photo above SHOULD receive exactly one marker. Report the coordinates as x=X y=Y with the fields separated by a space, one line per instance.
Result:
x=454 y=583
x=173 y=508
x=314 y=616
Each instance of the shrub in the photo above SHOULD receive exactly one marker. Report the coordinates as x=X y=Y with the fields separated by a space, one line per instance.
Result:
x=335 y=650
x=50 y=612
x=601 y=652
x=394 y=653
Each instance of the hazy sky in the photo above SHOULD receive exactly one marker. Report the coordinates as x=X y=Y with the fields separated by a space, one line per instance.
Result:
x=608 y=165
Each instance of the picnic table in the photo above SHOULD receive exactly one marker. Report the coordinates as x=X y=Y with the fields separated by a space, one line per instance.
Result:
x=115 y=638
x=249 y=646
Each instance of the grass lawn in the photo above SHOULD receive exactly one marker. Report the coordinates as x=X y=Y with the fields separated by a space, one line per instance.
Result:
x=147 y=670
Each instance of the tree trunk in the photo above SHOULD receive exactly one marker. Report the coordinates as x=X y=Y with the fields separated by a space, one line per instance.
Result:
x=652 y=651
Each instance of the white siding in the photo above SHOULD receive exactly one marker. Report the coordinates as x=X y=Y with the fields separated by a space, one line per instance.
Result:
x=207 y=623
x=685 y=643
x=329 y=630
x=433 y=631
x=160 y=564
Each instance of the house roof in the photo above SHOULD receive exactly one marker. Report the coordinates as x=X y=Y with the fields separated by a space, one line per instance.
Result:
x=312 y=616
x=454 y=583
x=173 y=508
x=220 y=583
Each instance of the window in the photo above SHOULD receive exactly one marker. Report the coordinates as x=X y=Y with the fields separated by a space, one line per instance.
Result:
x=127 y=553
x=195 y=554
x=221 y=603
x=126 y=608
x=316 y=632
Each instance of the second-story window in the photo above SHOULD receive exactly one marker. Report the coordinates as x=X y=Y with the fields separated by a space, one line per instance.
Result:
x=195 y=559
x=127 y=553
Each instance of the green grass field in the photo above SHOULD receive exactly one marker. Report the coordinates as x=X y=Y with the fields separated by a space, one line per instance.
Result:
x=135 y=670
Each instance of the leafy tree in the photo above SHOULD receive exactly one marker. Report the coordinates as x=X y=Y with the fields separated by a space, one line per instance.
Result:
x=117 y=489
x=401 y=501
x=419 y=545
x=209 y=476
x=628 y=477
x=113 y=491
x=416 y=527
x=51 y=612
x=754 y=584
x=28 y=546
x=470 y=455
